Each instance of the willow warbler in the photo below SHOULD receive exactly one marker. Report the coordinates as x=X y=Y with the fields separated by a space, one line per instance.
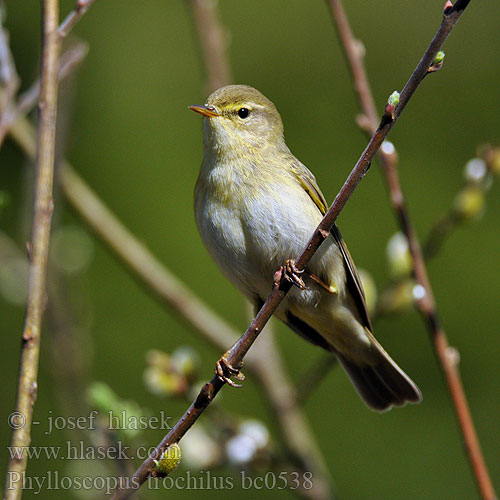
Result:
x=256 y=207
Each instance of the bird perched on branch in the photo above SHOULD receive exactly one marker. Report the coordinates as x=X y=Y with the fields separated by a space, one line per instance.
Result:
x=256 y=206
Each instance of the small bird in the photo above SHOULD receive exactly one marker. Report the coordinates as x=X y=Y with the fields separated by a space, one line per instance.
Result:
x=256 y=206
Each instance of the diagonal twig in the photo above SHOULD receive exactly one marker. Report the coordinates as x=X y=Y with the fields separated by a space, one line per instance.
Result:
x=213 y=42
x=264 y=362
x=74 y=16
x=270 y=371
x=9 y=79
x=236 y=354
x=425 y=304
x=69 y=59
x=10 y=112
x=42 y=212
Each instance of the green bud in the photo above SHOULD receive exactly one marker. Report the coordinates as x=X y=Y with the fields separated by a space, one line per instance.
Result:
x=122 y=414
x=169 y=461
x=491 y=155
x=185 y=361
x=164 y=383
x=397 y=298
x=469 y=202
x=101 y=396
x=439 y=58
x=393 y=99
x=159 y=359
x=398 y=256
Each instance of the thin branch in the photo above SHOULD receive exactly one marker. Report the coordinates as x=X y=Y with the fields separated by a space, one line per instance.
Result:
x=171 y=291
x=301 y=447
x=283 y=398
x=43 y=207
x=11 y=112
x=8 y=73
x=235 y=355
x=310 y=380
x=74 y=16
x=69 y=60
x=426 y=304
x=144 y=265
x=213 y=42
x=8 y=78
x=264 y=362
x=438 y=234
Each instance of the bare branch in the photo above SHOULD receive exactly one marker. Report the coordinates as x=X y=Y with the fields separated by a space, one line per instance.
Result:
x=8 y=74
x=8 y=79
x=9 y=112
x=42 y=212
x=213 y=42
x=425 y=304
x=74 y=16
x=264 y=362
x=69 y=60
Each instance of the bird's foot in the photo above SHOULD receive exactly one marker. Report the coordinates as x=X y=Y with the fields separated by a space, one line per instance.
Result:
x=292 y=274
x=224 y=370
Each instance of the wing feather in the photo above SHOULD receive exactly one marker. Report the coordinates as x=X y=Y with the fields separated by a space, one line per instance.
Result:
x=308 y=182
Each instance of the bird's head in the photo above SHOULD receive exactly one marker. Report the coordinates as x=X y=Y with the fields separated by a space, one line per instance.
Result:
x=240 y=117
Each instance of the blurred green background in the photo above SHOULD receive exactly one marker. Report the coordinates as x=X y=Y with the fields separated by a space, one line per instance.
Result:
x=129 y=134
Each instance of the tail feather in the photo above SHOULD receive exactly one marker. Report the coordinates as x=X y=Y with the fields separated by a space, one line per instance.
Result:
x=381 y=384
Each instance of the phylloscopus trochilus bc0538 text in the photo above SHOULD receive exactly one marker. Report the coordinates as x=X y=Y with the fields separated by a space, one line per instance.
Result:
x=256 y=207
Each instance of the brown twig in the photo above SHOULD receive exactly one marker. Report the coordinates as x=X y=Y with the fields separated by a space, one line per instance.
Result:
x=8 y=74
x=438 y=233
x=10 y=112
x=42 y=212
x=130 y=250
x=69 y=60
x=310 y=380
x=8 y=79
x=425 y=304
x=235 y=355
x=283 y=398
x=171 y=291
x=74 y=16
x=213 y=42
x=28 y=99
x=267 y=361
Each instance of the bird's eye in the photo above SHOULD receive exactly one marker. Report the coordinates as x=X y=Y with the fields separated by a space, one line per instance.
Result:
x=243 y=112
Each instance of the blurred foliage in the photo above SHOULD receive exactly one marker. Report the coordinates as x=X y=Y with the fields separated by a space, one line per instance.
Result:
x=129 y=134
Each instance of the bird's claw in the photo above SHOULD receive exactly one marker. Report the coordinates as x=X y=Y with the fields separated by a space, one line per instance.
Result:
x=292 y=274
x=224 y=370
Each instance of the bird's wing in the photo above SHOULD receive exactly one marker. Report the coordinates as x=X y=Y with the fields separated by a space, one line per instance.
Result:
x=353 y=280
x=308 y=182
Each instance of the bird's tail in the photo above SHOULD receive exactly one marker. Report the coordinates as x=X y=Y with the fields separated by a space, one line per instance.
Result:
x=381 y=383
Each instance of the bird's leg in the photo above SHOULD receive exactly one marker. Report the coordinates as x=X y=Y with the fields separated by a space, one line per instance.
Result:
x=292 y=274
x=224 y=370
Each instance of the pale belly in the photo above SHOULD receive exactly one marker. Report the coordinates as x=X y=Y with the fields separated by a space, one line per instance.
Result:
x=251 y=241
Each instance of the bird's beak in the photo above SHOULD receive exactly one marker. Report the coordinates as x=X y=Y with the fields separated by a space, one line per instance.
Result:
x=208 y=111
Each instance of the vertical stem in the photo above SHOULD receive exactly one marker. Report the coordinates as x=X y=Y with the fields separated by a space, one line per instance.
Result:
x=426 y=304
x=21 y=419
x=213 y=42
